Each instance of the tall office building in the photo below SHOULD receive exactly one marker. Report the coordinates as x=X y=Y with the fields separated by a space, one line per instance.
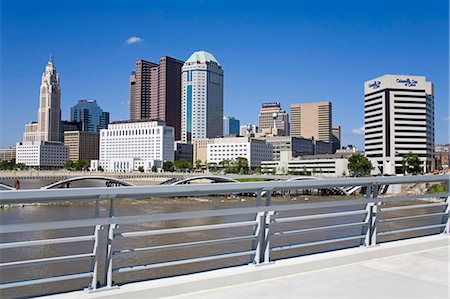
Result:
x=133 y=95
x=202 y=97
x=49 y=113
x=231 y=126
x=399 y=118
x=90 y=115
x=155 y=92
x=312 y=120
x=271 y=116
x=41 y=144
x=336 y=137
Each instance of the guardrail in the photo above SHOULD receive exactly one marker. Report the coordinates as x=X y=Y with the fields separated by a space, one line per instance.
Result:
x=263 y=230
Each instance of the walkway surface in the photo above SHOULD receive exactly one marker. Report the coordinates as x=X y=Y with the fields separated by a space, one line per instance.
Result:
x=417 y=268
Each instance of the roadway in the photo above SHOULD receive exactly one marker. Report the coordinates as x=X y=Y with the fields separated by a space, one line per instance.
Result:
x=415 y=268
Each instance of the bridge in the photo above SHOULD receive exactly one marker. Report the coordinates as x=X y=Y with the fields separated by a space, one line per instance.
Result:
x=254 y=244
x=110 y=182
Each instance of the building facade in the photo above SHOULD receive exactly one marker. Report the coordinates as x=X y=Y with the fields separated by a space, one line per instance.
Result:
x=183 y=151
x=202 y=97
x=312 y=120
x=200 y=147
x=254 y=150
x=231 y=126
x=155 y=92
x=126 y=145
x=8 y=154
x=69 y=126
x=90 y=115
x=323 y=167
x=271 y=116
x=336 y=137
x=399 y=118
x=82 y=145
x=295 y=146
x=43 y=154
x=248 y=130
x=442 y=156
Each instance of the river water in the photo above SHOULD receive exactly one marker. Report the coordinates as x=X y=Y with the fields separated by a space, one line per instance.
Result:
x=39 y=213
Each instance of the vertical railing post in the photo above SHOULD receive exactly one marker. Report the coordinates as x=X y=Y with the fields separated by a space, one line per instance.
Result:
x=95 y=252
x=258 y=199
x=447 y=209
x=259 y=234
x=268 y=197
x=371 y=216
x=109 y=257
x=267 y=236
x=262 y=254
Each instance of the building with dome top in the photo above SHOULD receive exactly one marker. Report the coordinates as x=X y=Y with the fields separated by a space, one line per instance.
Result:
x=201 y=97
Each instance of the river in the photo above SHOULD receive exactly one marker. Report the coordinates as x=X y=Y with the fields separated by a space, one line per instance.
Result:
x=39 y=213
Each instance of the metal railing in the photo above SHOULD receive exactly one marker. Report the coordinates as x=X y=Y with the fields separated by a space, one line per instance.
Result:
x=265 y=229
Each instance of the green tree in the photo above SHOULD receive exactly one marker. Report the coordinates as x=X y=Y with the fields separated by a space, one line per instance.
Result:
x=81 y=165
x=198 y=164
x=7 y=165
x=411 y=163
x=212 y=166
x=183 y=165
x=154 y=168
x=225 y=163
x=305 y=172
x=141 y=169
x=20 y=166
x=241 y=165
x=99 y=168
x=69 y=165
x=167 y=166
x=359 y=165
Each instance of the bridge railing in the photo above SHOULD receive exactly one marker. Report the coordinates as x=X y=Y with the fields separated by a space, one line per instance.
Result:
x=256 y=234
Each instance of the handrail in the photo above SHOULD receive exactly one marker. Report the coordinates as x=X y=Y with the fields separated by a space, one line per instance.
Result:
x=92 y=194
x=266 y=223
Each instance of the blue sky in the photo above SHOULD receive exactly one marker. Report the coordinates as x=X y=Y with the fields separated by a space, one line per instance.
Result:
x=286 y=51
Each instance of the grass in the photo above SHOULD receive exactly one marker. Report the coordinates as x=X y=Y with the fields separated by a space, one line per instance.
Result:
x=436 y=188
x=245 y=180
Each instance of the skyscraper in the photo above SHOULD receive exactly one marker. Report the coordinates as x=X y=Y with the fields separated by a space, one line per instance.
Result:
x=231 y=126
x=49 y=115
x=155 y=92
x=133 y=95
x=41 y=144
x=399 y=118
x=271 y=116
x=312 y=120
x=90 y=115
x=47 y=128
x=202 y=97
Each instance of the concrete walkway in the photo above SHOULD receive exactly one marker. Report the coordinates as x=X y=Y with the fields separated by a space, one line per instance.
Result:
x=416 y=268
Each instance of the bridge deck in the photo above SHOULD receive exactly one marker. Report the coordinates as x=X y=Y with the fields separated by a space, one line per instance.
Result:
x=416 y=268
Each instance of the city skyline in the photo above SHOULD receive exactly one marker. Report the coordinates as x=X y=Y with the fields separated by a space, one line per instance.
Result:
x=302 y=80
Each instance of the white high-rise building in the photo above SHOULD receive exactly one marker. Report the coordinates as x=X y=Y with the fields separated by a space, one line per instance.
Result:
x=399 y=118
x=126 y=145
x=41 y=144
x=201 y=97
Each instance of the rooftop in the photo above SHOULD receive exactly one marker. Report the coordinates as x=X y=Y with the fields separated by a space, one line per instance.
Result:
x=202 y=57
